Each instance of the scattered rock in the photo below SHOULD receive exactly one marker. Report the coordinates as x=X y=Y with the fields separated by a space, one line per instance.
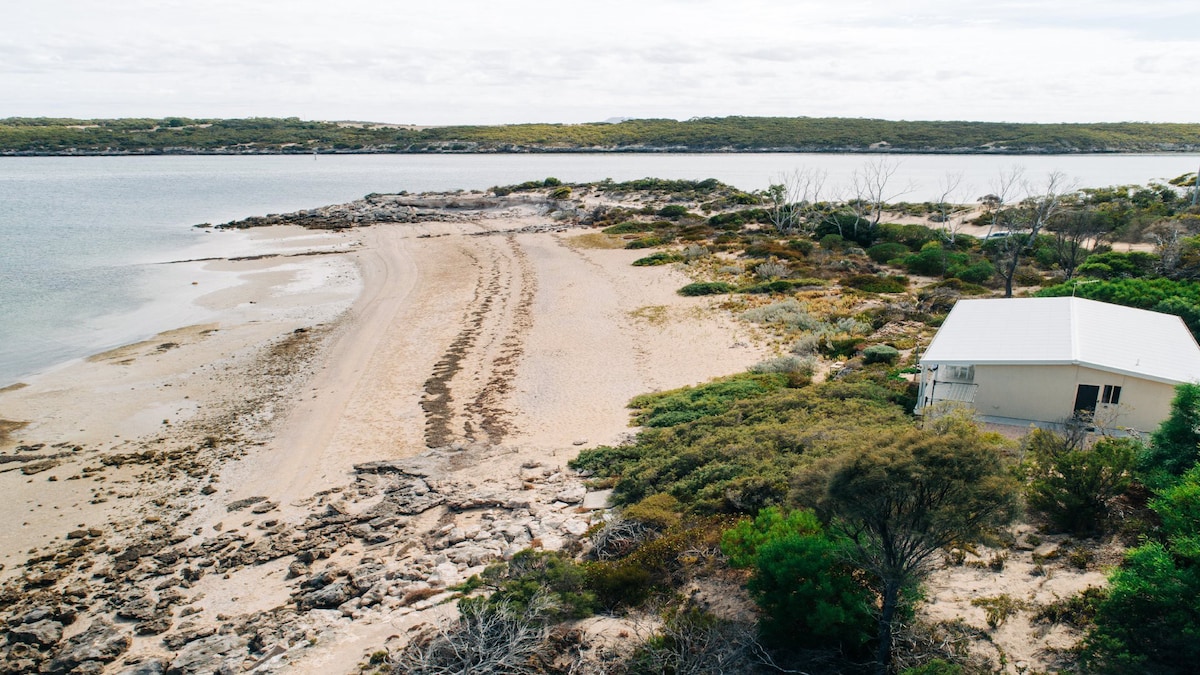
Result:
x=101 y=642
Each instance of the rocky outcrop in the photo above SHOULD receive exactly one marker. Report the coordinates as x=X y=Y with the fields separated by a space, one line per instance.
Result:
x=416 y=530
x=400 y=208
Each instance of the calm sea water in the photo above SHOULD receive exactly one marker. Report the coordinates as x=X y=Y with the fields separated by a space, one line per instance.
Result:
x=79 y=236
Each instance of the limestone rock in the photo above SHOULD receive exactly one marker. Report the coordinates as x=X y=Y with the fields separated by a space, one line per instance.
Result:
x=101 y=642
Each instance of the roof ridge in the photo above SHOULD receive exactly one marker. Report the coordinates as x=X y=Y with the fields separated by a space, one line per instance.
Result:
x=1073 y=320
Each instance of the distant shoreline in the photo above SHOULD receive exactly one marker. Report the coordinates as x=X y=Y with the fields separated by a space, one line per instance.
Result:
x=42 y=136
x=204 y=152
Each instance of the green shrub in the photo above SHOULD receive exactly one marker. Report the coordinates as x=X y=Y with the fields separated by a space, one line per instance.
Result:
x=1175 y=445
x=1071 y=485
x=530 y=573
x=808 y=594
x=1113 y=265
x=618 y=584
x=648 y=242
x=786 y=364
x=833 y=242
x=782 y=286
x=660 y=511
x=877 y=284
x=934 y=260
x=775 y=249
x=960 y=286
x=673 y=211
x=881 y=253
x=562 y=192
x=976 y=273
x=706 y=288
x=688 y=403
x=803 y=246
x=628 y=227
x=1150 y=621
x=911 y=236
x=659 y=258
x=880 y=354
x=1077 y=610
x=787 y=312
x=1027 y=275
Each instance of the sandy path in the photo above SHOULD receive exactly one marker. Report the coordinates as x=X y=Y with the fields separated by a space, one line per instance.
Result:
x=517 y=340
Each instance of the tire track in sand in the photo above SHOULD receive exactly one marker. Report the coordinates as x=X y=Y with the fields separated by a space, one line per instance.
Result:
x=480 y=364
x=486 y=410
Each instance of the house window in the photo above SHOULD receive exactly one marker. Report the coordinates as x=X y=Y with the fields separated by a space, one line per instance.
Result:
x=1112 y=394
x=959 y=374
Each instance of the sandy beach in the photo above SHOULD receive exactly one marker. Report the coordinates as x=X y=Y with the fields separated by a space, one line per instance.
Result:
x=478 y=348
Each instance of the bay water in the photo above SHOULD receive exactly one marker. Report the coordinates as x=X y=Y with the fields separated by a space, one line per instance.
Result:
x=82 y=239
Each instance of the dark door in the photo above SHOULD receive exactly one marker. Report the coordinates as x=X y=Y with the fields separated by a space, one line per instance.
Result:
x=1085 y=398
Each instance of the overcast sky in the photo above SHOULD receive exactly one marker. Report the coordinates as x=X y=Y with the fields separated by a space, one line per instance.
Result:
x=509 y=61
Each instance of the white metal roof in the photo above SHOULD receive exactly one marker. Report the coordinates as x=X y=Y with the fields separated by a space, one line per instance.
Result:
x=1067 y=331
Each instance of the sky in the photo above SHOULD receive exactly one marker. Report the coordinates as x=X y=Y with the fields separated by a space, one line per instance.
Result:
x=514 y=61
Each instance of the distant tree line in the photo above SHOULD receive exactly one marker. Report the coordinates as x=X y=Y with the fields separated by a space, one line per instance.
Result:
x=19 y=135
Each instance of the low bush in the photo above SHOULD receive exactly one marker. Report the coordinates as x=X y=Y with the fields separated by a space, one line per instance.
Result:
x=881 y=253
x=1073 y=485
x=809 y=595
x=706 y=288
x=530 y=574
x=673 y=211
x=782 y=286
x=787 y=365
x=771 y=270
x=960 y=286
x=648 y=242
x=876 y=284
x=880 y=354
x=659 y=258
x=975 y=273
x=688 y=403
x=628 y=227
x=788 y=313
x=775 y=249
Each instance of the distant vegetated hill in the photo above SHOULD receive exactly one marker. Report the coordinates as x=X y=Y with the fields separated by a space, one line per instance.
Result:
x=49 y=136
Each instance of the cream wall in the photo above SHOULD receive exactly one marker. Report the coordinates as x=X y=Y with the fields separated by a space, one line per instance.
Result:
x=1047 y=394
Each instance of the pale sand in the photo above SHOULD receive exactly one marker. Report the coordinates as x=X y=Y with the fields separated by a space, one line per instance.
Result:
x=536 y=344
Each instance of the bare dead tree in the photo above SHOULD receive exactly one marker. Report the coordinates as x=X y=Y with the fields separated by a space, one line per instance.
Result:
x=1004 y=189
x=484 y=638
x=871 y=188
x=794 y=198
x=619 y=537
x=1167 y=237
x=1025 y=221
x=951 y=190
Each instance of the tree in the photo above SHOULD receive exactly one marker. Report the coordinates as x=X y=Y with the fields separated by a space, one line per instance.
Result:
x=869 y=191
x=1073 y=231
x=1025 y=221
x=1175 y=445
x=900 y=502
x=794 y=201
x=951 y=186
x=1150 y=621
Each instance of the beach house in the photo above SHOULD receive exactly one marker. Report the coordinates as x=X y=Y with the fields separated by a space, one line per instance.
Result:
x=1045 y=360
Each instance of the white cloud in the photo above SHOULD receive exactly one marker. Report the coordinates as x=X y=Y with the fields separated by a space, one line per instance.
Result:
x=470 y=61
